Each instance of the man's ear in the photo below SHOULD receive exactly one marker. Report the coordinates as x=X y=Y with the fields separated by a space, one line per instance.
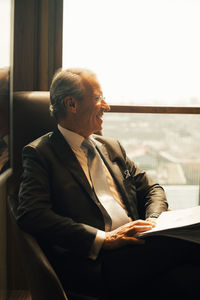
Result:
x=70 y=104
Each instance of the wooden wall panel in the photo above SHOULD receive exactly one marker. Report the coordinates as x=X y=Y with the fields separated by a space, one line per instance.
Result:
x=37 y=43
x=50 y=41
x=25 y=44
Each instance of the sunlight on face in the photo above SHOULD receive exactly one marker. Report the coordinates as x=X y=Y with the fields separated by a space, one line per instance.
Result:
x=91 y=108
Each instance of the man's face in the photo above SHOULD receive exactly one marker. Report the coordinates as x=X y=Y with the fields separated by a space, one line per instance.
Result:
x=91 y=108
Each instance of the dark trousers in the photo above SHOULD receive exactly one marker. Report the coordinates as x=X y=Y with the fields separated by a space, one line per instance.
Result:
x=162 y=268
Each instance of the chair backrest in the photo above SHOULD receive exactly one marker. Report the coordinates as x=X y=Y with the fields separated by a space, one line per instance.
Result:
x=31 y=119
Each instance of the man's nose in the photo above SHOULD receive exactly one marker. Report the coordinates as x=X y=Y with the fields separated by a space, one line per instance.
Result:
x=105 y=105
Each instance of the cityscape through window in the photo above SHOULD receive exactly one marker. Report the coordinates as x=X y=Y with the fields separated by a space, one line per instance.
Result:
x=167 y=147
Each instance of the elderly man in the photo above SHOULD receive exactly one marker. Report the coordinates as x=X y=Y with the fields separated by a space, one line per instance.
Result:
x=86 y=201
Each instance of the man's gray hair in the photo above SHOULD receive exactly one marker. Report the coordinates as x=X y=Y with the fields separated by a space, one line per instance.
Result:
x=67 y=83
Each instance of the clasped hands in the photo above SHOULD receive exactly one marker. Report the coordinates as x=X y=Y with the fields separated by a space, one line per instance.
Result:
x=127 y=234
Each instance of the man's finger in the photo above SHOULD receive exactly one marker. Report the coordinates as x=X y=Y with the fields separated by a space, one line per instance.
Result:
x=138 y=228
x=139 y=222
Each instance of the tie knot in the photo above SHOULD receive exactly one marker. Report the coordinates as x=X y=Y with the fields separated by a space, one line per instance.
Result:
x=89 y=147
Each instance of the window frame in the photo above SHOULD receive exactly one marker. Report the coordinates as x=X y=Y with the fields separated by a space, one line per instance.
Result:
x=155 y=109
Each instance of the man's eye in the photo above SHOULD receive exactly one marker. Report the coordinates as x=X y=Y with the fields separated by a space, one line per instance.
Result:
x=99 y=98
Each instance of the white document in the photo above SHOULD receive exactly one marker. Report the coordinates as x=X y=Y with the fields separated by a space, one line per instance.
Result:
x=183 y=224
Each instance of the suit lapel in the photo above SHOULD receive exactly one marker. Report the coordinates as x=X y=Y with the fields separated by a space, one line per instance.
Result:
x=110 y=163
x=68 y=159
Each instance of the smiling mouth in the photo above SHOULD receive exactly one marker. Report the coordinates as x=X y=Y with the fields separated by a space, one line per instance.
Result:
x=100 y=117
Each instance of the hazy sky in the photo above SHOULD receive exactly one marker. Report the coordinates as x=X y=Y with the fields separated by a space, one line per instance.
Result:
x=141 y=50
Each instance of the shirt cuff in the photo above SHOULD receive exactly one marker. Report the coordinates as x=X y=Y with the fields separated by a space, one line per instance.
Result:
x=97 y=244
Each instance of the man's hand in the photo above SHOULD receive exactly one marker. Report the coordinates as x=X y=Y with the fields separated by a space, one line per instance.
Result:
x=126 y=234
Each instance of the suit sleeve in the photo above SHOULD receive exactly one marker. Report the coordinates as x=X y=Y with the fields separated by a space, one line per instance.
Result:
x=35 y=209
x=151 y=196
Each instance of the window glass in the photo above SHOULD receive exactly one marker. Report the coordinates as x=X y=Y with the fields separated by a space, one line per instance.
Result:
x=144 y=52
x=167 y=147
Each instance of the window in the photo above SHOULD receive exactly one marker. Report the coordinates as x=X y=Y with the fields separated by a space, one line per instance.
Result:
x=145 y=54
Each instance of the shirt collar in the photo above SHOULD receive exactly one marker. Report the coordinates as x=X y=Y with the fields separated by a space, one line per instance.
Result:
x=74 y=139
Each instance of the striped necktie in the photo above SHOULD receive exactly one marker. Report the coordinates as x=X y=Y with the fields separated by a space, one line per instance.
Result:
x=101 y=187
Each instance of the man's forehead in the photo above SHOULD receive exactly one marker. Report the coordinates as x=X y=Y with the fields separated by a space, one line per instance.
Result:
x=91 y=84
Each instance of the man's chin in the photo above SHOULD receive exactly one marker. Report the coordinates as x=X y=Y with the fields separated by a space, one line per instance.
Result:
x=98 y=130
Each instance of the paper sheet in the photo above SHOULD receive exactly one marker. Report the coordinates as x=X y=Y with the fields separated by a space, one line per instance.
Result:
x=176 y=219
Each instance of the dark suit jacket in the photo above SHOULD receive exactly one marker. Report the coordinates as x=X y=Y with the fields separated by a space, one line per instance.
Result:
x=57 y=204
